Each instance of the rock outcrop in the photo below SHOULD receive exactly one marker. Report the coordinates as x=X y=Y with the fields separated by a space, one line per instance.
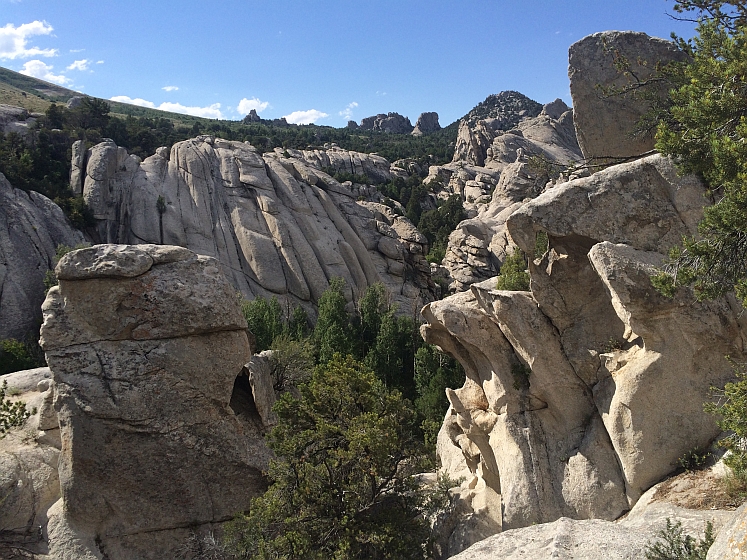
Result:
x=29 y=483
x=606 y=116
x=500 y=112
x=159 y=435
x=427 y=123
x=594 y=539
x=519 y=165
x=16 y=119
x=277 y=225
x=31 y=228
x=393 y=123
x=568 y=409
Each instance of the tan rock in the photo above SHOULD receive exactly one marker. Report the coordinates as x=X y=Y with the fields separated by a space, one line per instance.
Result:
x=605 y=123
x=146 y=374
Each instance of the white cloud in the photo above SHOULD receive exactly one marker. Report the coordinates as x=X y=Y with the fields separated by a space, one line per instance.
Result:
x=99 y=62
x=170 y=88
x=209 y=112
x=80 y=65
x=13 y=40
x=305 y=117
x=246 y=105
x=137 y=101
x=37 y=69
x=76 y=50
x=347 y=112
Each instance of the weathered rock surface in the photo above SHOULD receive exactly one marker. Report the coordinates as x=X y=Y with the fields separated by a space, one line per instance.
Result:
x=568 y=407
x=731 y=541
x=605 y=120
x=277 y=225
x=518 y=166
x=393 y=123
x=31 y=228
x=568 y=539
x=146 y=343
x=29 y=454
x=427 y=123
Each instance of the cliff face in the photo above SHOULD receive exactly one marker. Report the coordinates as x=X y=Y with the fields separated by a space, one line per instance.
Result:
x=585 y=391
x=31 y=228
x=278 y=225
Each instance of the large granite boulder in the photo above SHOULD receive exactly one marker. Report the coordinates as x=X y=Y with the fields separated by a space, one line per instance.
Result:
x=31 y=228
x=583 y=393
x=159 y=433
x=605 y=116
x=278 y=224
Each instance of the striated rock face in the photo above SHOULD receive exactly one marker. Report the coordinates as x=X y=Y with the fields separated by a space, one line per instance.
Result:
x=277 y=225
x=518 y=165
x=31 y=227
x=145 y=343
x=393 y=123
x=427 y=123
x=584 y=392
x=605 y=124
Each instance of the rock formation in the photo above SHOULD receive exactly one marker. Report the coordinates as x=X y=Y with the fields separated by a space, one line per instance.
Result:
x=277 y=225
x=159 y=433
x=29 y=483
x=518 y=165
x=427 y=123
x=16 y=119
x=499 y=112
x=252 y=117
x=32 y=228
x=393 y=123
x=568 y=408
x=606 y=119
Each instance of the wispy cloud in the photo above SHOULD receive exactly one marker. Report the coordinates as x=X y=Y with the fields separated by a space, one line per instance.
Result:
x=210 y=112
x=347 y=112
x=37 y=69
x=137 y=101
x=170 y=88
x=13 y=40
x=246 y=105
x=99 y=62
x=80 y=65
x=76 y=50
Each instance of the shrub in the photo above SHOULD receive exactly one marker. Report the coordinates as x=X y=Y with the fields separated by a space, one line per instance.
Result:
x=17 y=356
x=514 y=275
x=11 y=413
x=343 y=483
x=674 y=544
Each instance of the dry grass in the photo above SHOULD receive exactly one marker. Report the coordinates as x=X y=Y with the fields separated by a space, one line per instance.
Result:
x=10 y=95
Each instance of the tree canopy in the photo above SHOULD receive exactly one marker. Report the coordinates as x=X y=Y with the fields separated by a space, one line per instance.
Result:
x=343 y=482
x=704 y=128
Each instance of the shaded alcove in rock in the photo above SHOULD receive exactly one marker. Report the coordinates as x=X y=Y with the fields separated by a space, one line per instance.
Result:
x=242 y=401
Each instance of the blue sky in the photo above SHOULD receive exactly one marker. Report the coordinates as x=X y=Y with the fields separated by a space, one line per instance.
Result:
x=325 y=60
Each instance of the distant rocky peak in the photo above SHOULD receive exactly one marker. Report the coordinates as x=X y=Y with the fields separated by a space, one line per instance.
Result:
x=427 y=123
x=391 y=122
x=507 y=109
